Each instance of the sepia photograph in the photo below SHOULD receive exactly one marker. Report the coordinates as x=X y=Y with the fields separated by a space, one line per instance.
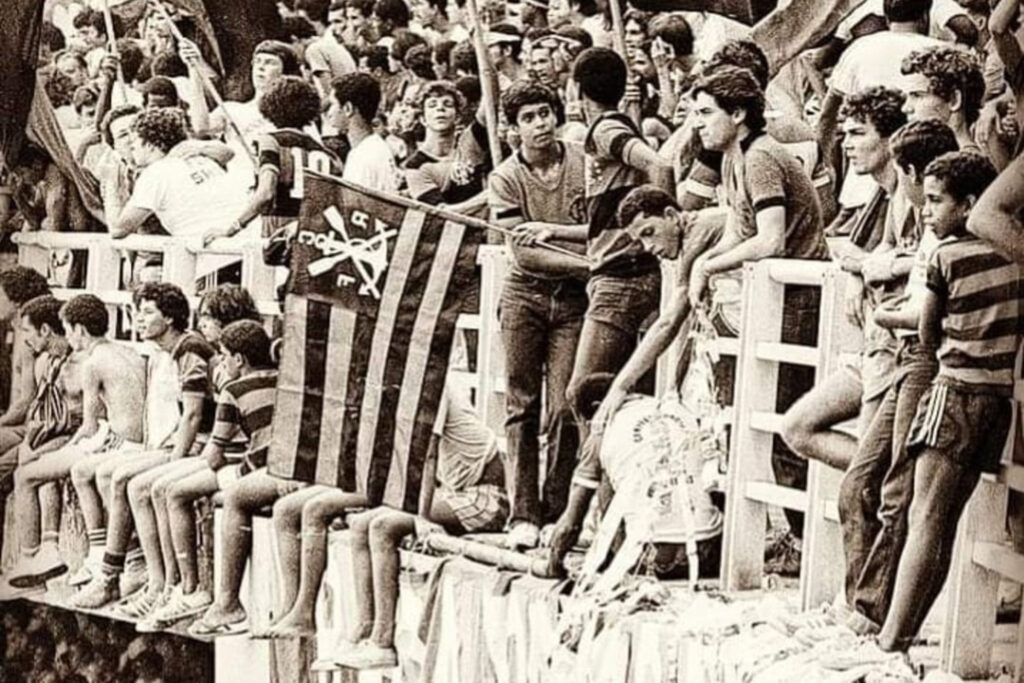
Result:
x=511 y=341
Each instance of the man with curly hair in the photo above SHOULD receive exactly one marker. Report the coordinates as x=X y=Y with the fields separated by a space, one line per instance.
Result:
x=430 y=172
x=944 y=83
x=291 y=105
x=162 y=318
x=189 y=193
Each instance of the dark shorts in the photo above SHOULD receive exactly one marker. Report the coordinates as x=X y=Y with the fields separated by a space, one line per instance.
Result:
x=968 y=428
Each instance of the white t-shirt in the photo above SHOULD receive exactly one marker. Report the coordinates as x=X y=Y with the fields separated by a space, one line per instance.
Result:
x=466 y=445
x=189 y=196
x=875 y=60
x=327 y=54
x=371 y=164
x=941 y=12
x=653 y=447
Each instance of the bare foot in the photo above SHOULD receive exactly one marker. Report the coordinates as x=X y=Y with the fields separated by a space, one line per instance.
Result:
x=218 y=615
x=293 y=625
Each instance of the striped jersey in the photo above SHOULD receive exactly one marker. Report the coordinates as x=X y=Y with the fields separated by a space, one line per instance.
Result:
x=983 y=302
x=193 y=356
x=289 y=152
x=245 y=407
x=608 y=179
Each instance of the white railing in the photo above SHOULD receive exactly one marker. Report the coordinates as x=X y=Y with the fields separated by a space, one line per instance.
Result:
x=751 y=486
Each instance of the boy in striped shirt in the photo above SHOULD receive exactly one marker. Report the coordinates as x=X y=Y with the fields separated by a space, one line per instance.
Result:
x=245 y=407
x=972 y=312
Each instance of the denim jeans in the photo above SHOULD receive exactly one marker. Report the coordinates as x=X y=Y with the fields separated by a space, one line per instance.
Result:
x=800 y=311
x=615 y=315
x=540 y=326
x=877 y=489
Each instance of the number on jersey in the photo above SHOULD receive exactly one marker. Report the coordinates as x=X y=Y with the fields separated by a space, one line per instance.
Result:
x=303 y=159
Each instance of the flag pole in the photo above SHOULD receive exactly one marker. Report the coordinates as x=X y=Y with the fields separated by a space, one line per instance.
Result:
x=619 y=41
x=108 y=20
x=431 y=210
x=207 y=85
x=487 y=82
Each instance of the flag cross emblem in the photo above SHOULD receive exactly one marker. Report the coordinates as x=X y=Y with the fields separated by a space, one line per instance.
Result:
x=369 y=256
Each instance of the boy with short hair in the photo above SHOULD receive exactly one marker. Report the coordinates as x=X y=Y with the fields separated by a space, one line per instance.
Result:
x=245 y=407
x=972 y=312
x=875 y=493
x=625 y=282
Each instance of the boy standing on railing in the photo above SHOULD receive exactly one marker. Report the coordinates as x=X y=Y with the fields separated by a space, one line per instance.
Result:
x=972 y=312
x=625 y=282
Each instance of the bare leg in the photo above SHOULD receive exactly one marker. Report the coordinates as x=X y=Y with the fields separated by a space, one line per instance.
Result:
x=807 y=425
x=317 y=514
x=362 y=572
x=181 y=496
x=158 y=494
x=287 y=532
x=140 y=496
x=386 y=532
x=241 y=500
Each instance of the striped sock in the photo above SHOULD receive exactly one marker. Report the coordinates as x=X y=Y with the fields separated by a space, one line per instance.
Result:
x=134 y=555
x=97 y=538
x=50 y=537
x=113 y=563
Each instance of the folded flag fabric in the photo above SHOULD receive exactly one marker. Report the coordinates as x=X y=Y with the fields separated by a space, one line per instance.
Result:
x=369 y=321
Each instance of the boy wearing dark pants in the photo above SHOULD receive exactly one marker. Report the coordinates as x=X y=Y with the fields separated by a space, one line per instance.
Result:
x=971 y=313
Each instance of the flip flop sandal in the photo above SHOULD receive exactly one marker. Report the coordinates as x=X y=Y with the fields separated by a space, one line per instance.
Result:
x=204 y=629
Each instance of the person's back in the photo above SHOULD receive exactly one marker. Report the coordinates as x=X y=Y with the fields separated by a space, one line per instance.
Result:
x=875 y=59
x=189 y=195
x=121 y=374
x=291 y=152
x=371 y=164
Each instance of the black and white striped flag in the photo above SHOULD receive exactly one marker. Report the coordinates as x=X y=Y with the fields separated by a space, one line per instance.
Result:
x=369 y=322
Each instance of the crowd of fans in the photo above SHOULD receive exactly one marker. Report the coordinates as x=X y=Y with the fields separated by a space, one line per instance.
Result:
x=889 y=148
x=51 y=645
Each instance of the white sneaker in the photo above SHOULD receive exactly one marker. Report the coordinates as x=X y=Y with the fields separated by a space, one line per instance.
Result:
x=36 y=570
x=133 y=578
x=523 y=535
x=182 y=606
x=863 y=652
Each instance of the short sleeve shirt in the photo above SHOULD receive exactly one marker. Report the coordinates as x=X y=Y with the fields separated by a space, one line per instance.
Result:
x=876 y=59
x=192 y=355
x=371 y=164
x=609 y=178
x=765 y=176
x=466 y=445
x=188 y=195
x=517 y=194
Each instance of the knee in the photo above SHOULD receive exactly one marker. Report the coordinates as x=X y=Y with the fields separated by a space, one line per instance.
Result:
x=159 y=492
x=287 y=516
x=176 y=496
x=359 y=525
x=139 y=492
x=317 y=514
x=119 y=481
x=385 y=532
x=81 y=475
x=796 y=430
